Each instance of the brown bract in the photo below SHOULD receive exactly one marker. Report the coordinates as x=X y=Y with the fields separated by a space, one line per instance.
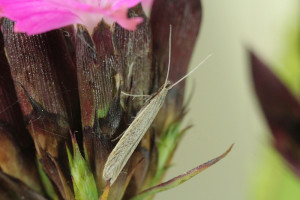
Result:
x=185 y=18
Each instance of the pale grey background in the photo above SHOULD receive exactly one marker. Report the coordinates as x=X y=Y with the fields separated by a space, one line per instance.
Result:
x=224 y=109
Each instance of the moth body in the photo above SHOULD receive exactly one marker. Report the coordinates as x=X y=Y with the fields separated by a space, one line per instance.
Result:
x=132 y=136
x=121 y=153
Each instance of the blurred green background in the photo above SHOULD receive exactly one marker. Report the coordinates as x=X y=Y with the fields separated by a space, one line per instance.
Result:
x=224 y=109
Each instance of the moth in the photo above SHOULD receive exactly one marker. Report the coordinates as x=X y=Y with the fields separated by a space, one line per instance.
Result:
x=137 y=129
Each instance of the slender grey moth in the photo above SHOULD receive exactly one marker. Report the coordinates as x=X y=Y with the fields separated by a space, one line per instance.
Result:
x=132 y=136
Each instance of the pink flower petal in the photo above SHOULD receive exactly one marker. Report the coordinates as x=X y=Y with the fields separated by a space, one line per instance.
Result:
x=32 y=25
x=38 y=16
x=147 y=5
x=125 y=3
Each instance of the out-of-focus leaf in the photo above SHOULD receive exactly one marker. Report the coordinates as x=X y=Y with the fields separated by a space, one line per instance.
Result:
x=273 y=179
x=280 y=107
x=181 y=178
x=281 y=110
x=289 y=71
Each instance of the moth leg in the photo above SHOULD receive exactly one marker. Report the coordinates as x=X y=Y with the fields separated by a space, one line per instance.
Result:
x=117 y=138
x=135 y=95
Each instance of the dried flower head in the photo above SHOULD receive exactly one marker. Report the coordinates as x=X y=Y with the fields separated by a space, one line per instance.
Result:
x=74 y=83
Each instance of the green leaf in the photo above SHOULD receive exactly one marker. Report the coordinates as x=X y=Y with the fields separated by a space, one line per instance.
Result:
x=289 y=70
x=83 y=179
x=180 y=179
x=274 y=179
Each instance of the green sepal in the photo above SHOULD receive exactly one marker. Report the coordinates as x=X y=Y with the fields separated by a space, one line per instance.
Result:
x=179 y=179
x=166 y=147
x=83 y=179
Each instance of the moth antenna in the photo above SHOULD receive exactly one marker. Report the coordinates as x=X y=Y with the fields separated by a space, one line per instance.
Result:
x=184 y=77
x=169 y=62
